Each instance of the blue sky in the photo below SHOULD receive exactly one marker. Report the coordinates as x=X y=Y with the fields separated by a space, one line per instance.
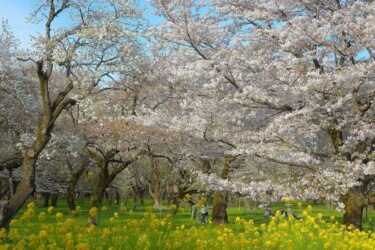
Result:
x=17 y=11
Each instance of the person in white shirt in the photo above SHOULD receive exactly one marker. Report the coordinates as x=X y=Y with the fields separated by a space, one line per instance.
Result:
x=204 y=213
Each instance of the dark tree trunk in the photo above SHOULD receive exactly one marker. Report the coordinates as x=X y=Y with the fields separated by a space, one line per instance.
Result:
x=110 y=198
x=70 y=199
x=354 y=201
x=117 y=197
x=73 y=180
x=54 y=198
x=46 y=199
x=11 y=184
x=135 y=199
x=125 y=199
x=142 y=196
x=236 y=199
x=26 y=186
x=219 y=211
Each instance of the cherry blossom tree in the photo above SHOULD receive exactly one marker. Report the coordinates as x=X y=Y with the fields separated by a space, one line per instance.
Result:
x=89 y=50
x=287 y=82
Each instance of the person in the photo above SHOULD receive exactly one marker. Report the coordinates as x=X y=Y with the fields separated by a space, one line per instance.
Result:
x=267 y=212
x=204 y=213
x=193 y=210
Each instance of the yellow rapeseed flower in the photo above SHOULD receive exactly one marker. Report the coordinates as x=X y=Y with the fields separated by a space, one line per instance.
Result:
x=43 y=234
x=31 y=205
x=50 y=209
x=90 y=175
x=287 y=200
x=42 y=216
x=93 y=212
x=59 y=216
x=82 y=246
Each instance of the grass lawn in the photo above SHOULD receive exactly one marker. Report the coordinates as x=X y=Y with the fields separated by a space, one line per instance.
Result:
x=183 y=218
x=35 y=228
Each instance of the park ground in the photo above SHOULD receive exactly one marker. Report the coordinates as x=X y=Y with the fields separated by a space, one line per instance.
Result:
x=119 y=227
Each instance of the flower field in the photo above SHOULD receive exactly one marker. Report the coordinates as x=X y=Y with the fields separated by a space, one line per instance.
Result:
x=41 y=228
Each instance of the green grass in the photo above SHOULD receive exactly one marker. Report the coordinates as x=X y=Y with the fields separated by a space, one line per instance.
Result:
x=159 y=229
x=183 y=218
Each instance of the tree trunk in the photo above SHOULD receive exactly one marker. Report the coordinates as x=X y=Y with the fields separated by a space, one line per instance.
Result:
x=175 y=198
x=46 y=199
x=11 y=186
x=117 y=196
x=110 y=198
x=142 y=196
x=236 y=199
x=354 y=201
x=135 y=199
x=219 y=211
x=156 y=195
x=96 y=201
x=54 y=198
x=70 y=198
x=26 y=186
x=97 y=197
x=246 y=205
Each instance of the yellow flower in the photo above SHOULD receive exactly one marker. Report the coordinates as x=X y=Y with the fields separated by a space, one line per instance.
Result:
x=320 y=216
x=238 y=220
x=43 y=234
x=299 y=204
x=332 y=218
x=42 y=216
x=59 y=216
x=82 y=246
x=309 y=208
x=187 y=197
x=90 y=175
x=31 y=205
x=106 y=232
x=90 y=229
x=13 y=222
x=3 y=233
x=14 y=234
x=49 y=210
x=287 y=200
x=93 y=212
x=116 y=215
x=104 y=208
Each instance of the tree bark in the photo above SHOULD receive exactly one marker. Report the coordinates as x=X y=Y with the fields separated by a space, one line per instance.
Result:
x=70 y=198
x=46 y=199
x=219 y=210
x=26 y=186
x=54 y=198
x=51 y=110
x=117 y=197
x=11 y=185
x=354 y=201
x=135 y=199
x=236 y=199
x=155 y=192
x=73 y=180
